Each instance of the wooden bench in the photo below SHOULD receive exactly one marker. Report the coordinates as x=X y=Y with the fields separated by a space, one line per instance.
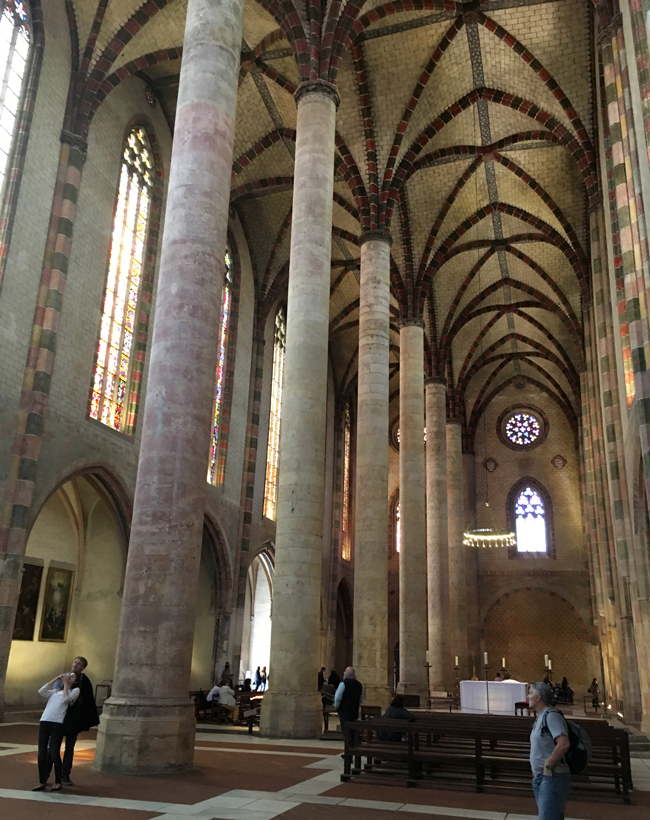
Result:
x=437 y=742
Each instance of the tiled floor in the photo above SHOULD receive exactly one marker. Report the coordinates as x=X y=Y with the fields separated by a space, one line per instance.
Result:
x=242 y=777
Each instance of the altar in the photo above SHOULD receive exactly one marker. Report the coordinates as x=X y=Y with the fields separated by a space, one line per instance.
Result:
x=479 y=697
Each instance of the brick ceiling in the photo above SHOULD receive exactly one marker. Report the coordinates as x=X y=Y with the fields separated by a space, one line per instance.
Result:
x=465 y=129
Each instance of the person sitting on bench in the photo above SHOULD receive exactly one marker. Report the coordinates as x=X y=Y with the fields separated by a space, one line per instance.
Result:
x=396 y=711
x=226 y=698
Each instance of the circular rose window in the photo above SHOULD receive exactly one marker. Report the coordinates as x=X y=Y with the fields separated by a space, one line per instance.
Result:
x=522 y=427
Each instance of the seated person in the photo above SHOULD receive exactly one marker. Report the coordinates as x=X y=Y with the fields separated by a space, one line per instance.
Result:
x=327 y=693
x=247 y=686
x=224 y=697
x=396 y=711
x=498 y=677
x=334 y=679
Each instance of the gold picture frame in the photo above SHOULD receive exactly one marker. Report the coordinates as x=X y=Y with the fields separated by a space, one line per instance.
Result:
x=55 y=617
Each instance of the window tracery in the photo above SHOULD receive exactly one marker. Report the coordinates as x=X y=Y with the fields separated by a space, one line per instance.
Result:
x=530 y=521
x=221 y=367
x=273 y=447
x=346 y=536
x=112 y=373
x=15 y=43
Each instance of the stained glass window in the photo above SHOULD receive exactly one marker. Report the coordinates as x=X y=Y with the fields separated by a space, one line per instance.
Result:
x=111 y=377
x=530 y=517
x=346 y=535
x=522 y=429
x=273 y=448
x=221 y=367
x=14 y=51
x=398 y=529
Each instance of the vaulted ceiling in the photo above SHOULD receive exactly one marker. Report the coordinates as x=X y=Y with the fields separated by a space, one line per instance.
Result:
x=464 y=128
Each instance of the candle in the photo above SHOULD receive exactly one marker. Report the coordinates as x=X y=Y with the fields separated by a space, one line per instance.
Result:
x=456 y=660
x=503 y=663
x=545 y=661
x=550 y=666
x=485 y=659
x=427 y=656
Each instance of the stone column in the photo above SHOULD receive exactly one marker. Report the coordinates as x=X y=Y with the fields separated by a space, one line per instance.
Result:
x=457 y=593
x=440 y=676
x=412 y=558
x=292 y=708
x=471 y=559
x=148 y=724
x=371 y=495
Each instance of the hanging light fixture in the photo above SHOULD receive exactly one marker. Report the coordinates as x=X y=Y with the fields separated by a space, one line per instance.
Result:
x=488 y=536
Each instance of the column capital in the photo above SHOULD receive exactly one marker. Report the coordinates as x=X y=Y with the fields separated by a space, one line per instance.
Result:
x=378 y=235
x=317 y=86
x=607 y=34
x=76 y=141
x=455 y=420
x=411 y=321
x=435 y=380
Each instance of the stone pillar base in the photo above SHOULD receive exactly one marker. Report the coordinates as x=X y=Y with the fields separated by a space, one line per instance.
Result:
x=145 y=736
x=406 y=688
x=291 y=714
x=377 y=696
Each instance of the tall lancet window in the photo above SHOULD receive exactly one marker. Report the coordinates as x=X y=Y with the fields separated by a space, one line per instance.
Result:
x=273 y=448
x=14 y=52
x=213 y=472
x=398 y=530
x=346 y=535
x=112 y=376
x=530 y=521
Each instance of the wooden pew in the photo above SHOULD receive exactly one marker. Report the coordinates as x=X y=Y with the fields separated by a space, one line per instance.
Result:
x=473 y=744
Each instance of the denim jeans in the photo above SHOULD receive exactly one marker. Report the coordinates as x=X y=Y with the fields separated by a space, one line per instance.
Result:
x=551 y=793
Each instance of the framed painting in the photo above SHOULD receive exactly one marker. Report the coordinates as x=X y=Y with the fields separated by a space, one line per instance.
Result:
x=56 y=605
x=30 y=588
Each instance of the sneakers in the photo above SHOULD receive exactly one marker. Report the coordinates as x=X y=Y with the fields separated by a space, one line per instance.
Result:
x=66 y=780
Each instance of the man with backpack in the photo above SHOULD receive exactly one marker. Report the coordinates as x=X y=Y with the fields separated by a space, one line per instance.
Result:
x=549 y=743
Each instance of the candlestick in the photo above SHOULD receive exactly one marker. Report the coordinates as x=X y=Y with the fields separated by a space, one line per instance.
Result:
x=427 y=653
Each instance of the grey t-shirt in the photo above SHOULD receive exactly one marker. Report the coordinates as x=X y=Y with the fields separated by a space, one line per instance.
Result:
x=542 y=743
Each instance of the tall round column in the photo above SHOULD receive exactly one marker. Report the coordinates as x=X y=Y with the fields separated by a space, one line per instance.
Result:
x=371 y=495
x=437 y=538
x=412 y=558
x=471 y=559
x=292 y=708
x=457 y=574
x=148 y=724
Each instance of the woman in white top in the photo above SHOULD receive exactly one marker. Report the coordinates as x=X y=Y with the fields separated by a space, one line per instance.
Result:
x=50 y=733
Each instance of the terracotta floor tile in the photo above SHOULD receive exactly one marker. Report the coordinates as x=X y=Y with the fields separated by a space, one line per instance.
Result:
x=31 y=810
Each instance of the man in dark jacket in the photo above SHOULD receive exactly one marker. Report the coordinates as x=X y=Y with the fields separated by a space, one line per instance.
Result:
x=348 y=698
x=81 y=716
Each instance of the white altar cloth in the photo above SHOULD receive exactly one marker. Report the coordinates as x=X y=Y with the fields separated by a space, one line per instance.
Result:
x=494 y=697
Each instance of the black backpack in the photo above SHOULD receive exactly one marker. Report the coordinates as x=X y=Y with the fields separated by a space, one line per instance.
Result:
x=579 y=753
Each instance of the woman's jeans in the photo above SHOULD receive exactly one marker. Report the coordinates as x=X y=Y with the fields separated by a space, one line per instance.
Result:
x=551 y=793
x=50 y=736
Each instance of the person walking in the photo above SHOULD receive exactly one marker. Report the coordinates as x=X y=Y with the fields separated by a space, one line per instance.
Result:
x=549 y=742
x=227 y=674
x=264 y=679
x=348 y=698
x=81 y=716
x=258 y=678
x=50 y=730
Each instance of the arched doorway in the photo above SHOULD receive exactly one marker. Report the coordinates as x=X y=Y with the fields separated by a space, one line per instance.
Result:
x=343 y=641
x=71 y=587
x=258 y=613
